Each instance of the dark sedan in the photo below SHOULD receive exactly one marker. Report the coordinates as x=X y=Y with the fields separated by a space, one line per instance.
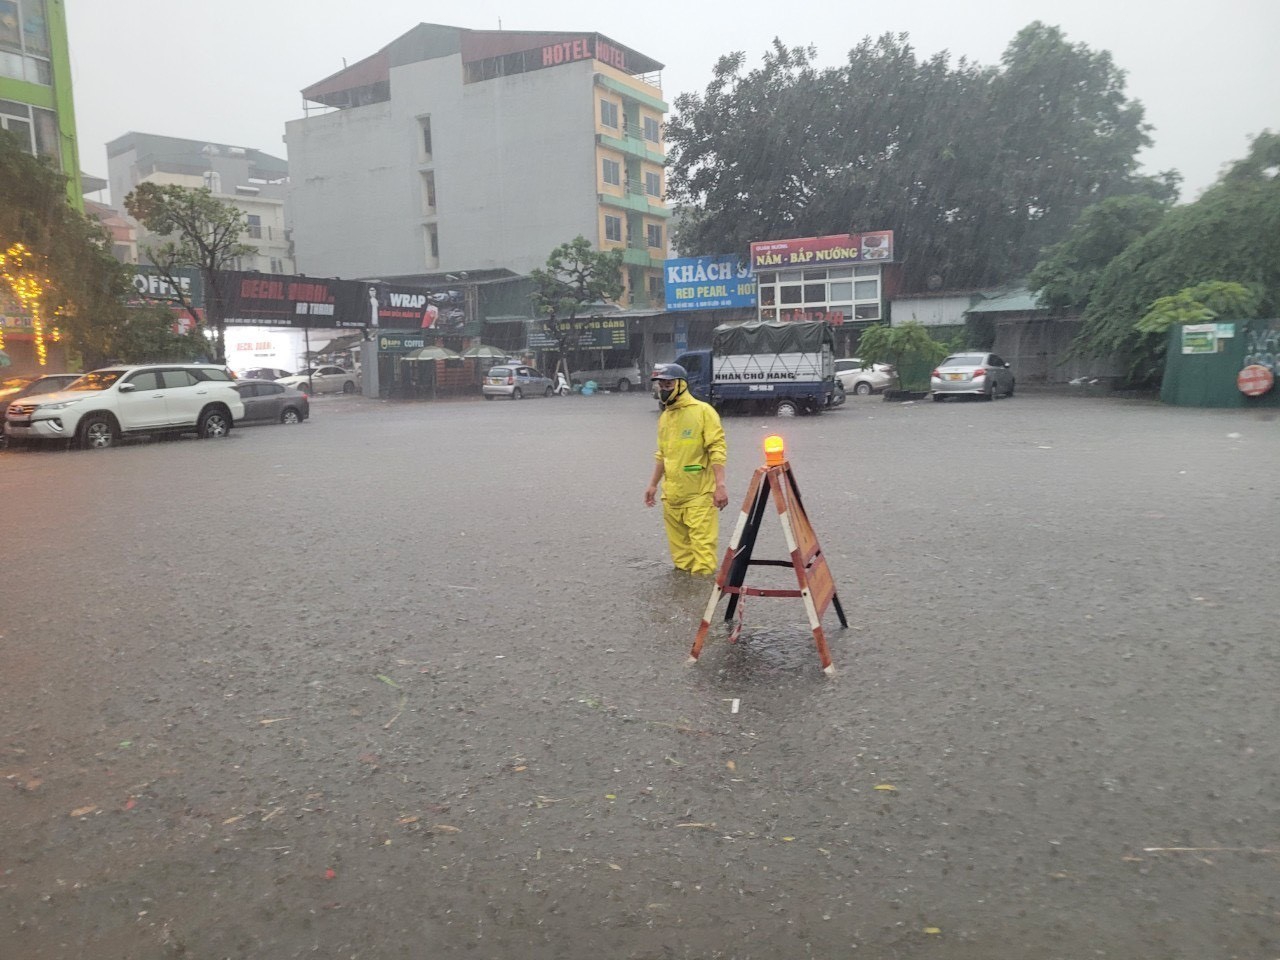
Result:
x=268 y=402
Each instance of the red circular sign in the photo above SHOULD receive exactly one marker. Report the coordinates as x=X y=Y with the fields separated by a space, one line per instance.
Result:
x=1255 y=380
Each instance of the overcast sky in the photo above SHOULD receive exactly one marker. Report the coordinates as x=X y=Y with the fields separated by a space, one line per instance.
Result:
x=230 y=71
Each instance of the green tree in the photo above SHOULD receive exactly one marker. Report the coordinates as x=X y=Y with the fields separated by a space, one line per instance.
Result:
x=84 y=286
x=1069 y=270
x=576 y=278
x=1203 y=303
x=1231 y=234
x=907 y=346
x=973 y=168
x=196 y=230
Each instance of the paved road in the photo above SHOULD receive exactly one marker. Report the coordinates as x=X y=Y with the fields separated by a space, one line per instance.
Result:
x=409 y=681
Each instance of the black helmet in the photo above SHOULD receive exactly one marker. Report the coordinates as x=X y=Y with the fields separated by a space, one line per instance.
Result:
x=669 y=371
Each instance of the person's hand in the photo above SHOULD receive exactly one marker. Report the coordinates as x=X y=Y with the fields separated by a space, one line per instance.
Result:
x=721 y=497
x=650 y=495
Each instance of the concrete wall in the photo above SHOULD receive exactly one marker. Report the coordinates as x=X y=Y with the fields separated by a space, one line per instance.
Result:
x=513 y=161
x=932 y=311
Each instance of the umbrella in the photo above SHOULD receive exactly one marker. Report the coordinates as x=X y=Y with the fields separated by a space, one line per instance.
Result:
x=484 y=351
x=433 y=353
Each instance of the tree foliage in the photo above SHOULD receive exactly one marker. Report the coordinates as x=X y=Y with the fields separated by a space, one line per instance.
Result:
x=84 y=285
x=974 y=168
x=907 y=346
x=198 y=230
x=1231 y=234
x=1203 y=303
x=576 y=277
x=1069 y=270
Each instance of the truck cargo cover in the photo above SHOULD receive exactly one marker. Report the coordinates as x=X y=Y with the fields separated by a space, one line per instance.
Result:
x=807 y=336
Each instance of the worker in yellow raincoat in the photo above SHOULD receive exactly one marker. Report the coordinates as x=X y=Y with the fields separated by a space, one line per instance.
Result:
x=690 y=465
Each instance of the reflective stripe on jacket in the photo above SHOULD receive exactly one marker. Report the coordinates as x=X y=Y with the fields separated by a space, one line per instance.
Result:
x=690 y=440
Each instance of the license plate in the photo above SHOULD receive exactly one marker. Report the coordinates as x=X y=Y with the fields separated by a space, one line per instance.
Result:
x=19 y=423
x=955 y=376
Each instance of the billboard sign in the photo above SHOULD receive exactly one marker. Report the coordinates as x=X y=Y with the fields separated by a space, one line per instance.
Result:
x=595 y=333
x=704 y=283
x=829 y=251
x=280 y=300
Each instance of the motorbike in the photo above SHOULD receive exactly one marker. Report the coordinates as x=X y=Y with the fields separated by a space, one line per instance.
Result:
x=562 y=388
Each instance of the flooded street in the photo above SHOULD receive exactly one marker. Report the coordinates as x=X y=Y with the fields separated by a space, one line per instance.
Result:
x=410 y=681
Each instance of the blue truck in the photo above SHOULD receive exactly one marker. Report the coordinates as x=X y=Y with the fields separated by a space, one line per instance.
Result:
x=771 y=368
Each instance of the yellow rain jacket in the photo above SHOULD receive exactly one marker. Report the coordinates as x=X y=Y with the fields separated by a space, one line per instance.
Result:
x=690 y=440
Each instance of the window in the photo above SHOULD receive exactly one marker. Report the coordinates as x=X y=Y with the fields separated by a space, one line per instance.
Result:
x=651 y=130
x=180 y=378
x=653 y=184
x=424 y=137
x=611 y=171
x=613 y=228
x=432 y=243
x=429 y=192
x=277 y=265
x=653 y=235
x=657 y=291
x=150 y=380
x=255 y=226
x=609 y=113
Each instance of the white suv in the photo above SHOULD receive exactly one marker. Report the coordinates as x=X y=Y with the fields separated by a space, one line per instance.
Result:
x=100 y=407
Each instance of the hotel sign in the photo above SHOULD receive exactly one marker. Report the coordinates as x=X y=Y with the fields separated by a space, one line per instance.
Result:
x=584 y=48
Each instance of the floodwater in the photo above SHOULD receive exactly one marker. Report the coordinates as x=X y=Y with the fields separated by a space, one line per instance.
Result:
x=411 y=681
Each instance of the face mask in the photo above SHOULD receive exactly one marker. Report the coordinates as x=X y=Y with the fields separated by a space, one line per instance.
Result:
x=666 y=395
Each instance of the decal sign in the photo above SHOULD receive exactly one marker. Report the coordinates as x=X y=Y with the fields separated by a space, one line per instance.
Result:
x=701 y=283
x=875 y=247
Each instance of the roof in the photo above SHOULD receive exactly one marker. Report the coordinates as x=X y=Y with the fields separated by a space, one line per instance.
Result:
x=369 y=80
x=1009 y=300
x=152 y=148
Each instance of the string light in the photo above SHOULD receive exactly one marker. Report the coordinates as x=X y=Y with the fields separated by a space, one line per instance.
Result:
x=29 y=290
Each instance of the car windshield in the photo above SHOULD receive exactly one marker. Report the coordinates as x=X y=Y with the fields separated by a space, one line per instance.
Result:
x=97 y=380
x=963 y=360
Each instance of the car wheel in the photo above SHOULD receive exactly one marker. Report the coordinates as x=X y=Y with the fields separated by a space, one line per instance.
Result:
x=97 y=432
x=548 y=392
x=516 y=394
x=991 y=393
x=488 y=396
x=213 y=423
x=1012 y=384
x=624 y=386
x=862 y=388
x=290 y=415
x=938 y=398
x=787 y=408
x=305 y=388
x=348 y=387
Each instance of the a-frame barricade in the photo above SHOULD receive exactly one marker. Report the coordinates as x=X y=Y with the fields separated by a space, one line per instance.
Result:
x=775 y=481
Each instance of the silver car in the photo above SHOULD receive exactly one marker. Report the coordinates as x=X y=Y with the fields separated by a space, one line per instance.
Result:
x=266 y=400
x=875 y=378
x=976 y=374
x=515 y=380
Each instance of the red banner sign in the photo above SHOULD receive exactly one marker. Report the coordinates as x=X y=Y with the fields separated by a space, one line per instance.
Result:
x=874 y=247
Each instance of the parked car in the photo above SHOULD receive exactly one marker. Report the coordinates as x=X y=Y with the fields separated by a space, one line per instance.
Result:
x=515 y=380
x=16 y=388
x=621 y=378
x=268 y=401
x=324 y=379
x=977 y=374
x=102 y=406
x=264 y=373
x=874 y=378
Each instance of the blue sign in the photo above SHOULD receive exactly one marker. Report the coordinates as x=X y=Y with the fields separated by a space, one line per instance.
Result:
x=702 y=283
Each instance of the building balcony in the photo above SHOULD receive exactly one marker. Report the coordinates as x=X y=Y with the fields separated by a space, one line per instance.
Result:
x=632 y=146
x=641 y=203
x=639 y=255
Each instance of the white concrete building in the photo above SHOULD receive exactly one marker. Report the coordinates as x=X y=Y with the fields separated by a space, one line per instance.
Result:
x=250 y=180
x=455 y=150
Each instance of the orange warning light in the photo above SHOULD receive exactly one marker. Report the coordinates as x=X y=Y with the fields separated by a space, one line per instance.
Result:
x=775 y=451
